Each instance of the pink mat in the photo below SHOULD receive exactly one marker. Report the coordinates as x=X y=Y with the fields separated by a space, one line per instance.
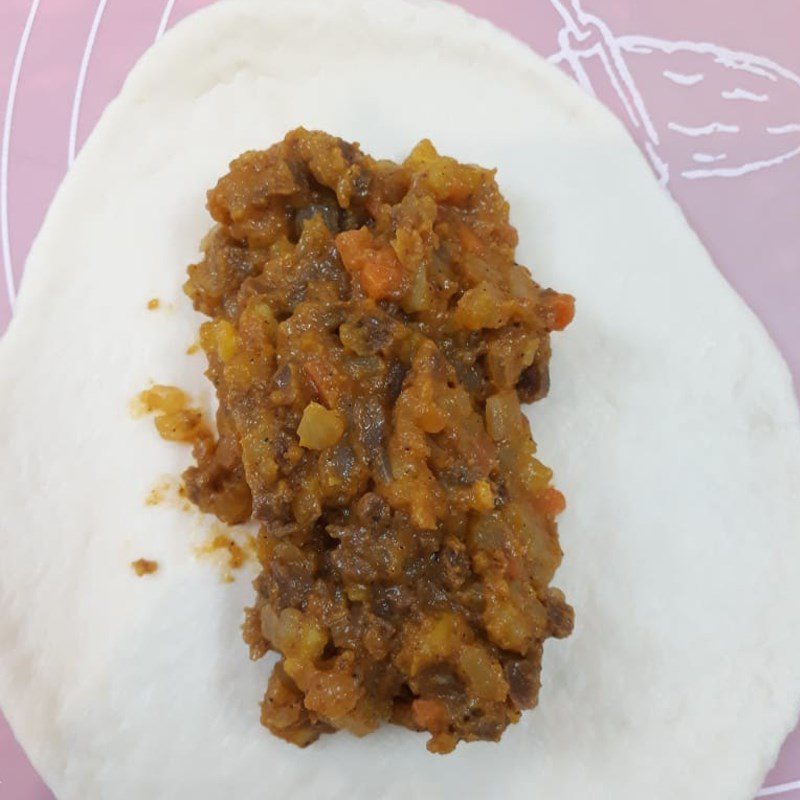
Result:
x=710 y=91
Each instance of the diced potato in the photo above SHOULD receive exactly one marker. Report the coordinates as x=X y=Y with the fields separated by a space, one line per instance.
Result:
x=306 y=505
x=503 y=416
x=180 y=426
x=264 y=310
x=533 y=475
x=357 y=593
x=447 y=179
x=483 y=673
x=488 y=532
x=258 y=459
x=258 y=326
x=481 y=307
x=219 y=337
x=483 y=496
x=437 y=638
x=509 y=355
x=507 y=626
x=419 y=298
x=299 y=637
x=469 y=241
x=166 y=399
x=283 y=707
x=335 y=693
x=320 y=427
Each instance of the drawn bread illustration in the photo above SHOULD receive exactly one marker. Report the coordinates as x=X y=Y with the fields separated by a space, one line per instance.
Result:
x=715 y=112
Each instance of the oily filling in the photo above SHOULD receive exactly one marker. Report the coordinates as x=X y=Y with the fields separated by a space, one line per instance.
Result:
x=370 y=339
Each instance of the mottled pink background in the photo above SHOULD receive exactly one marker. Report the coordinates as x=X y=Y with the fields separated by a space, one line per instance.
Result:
x=78 y=52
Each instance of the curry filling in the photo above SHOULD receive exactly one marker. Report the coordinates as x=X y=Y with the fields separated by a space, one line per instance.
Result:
x=371 y=339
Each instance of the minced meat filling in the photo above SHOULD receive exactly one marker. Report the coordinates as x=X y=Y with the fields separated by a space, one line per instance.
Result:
x=370 y=340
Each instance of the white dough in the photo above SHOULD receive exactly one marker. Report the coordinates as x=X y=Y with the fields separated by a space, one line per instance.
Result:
x=671 y=425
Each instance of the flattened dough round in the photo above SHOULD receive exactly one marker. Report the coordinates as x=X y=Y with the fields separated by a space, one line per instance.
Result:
x=672 y=428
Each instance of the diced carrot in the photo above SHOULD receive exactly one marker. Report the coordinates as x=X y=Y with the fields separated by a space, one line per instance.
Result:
x=325 y=379
x=430 y=715
x=373 y=203
x=377 y=267
x=513 y=567
x=353 y=247
x=382 y=277
x=563 y=310
x=469 y=241
x=551 y=502
x=432 y=419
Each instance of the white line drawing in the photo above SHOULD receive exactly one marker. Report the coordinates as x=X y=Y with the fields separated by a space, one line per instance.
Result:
x=164 y=21
x=707 y=158
x=76 y=102
x=681 y=79
x=781 y=788
x=7 y=122
x=586 y=41
x=706 y=130
x=744 y=169
x=743 y=94
x=793 y=128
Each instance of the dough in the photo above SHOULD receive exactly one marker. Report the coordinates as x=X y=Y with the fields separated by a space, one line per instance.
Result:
x=671 y=425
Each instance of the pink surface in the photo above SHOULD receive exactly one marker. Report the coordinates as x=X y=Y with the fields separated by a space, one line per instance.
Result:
x=709 y=90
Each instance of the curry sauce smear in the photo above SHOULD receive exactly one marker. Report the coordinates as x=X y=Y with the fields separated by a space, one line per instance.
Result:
x=370 y=339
